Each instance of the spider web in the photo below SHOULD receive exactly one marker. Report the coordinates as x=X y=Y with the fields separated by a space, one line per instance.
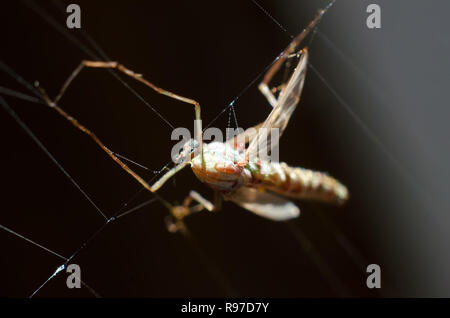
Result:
x=108 y=219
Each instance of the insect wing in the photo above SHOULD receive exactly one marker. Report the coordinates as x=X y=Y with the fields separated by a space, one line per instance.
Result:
x=282 y=112
x=265 y=204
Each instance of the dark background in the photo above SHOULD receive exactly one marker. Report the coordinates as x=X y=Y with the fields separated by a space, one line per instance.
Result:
x=385 y=136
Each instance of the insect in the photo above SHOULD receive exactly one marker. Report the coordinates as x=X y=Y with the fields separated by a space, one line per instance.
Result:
x=230 y=168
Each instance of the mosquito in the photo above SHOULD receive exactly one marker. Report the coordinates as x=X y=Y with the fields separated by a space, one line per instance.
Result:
x=230 y=168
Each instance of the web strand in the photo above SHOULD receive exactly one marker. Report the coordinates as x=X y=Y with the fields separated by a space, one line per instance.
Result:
x=92 y=55
x=368 y=132
x=220 y=278
x=345 y=244
x=32 y=242
x=325 y=270
x=272 y=18
x=28 y=131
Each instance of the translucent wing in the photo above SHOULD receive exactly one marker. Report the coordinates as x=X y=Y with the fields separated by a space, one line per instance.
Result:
x=281 y=113
x=265 y=204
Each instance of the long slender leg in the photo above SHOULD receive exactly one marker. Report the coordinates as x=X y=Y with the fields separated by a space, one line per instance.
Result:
x=181 y=211
x=169 y=174
x=85 y=130
x=263 y=86
x=177 y=212
x=194 y=195
x=140 y=78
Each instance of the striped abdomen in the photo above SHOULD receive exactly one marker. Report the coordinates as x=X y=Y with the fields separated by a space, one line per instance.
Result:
x=299 y=183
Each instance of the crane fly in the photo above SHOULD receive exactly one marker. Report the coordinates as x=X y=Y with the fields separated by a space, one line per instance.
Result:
x=232 y=170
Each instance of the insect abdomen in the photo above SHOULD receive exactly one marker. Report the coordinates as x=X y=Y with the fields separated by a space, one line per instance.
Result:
x=300 y=183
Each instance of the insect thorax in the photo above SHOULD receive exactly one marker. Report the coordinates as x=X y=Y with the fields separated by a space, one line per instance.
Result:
x=223 y=167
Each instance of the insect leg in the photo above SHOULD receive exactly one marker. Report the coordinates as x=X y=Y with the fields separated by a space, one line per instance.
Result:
x=181 y=211
x=264 y=85
x=202 y=204
x=265 y=90
x=85 y=130
x=138 y=77
x=169 y=174
x=194 y=195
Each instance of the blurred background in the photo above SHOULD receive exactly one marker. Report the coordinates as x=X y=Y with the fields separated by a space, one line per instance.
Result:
x=373 y=114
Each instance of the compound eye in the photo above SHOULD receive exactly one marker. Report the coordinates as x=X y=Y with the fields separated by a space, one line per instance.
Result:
x=193 y=144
